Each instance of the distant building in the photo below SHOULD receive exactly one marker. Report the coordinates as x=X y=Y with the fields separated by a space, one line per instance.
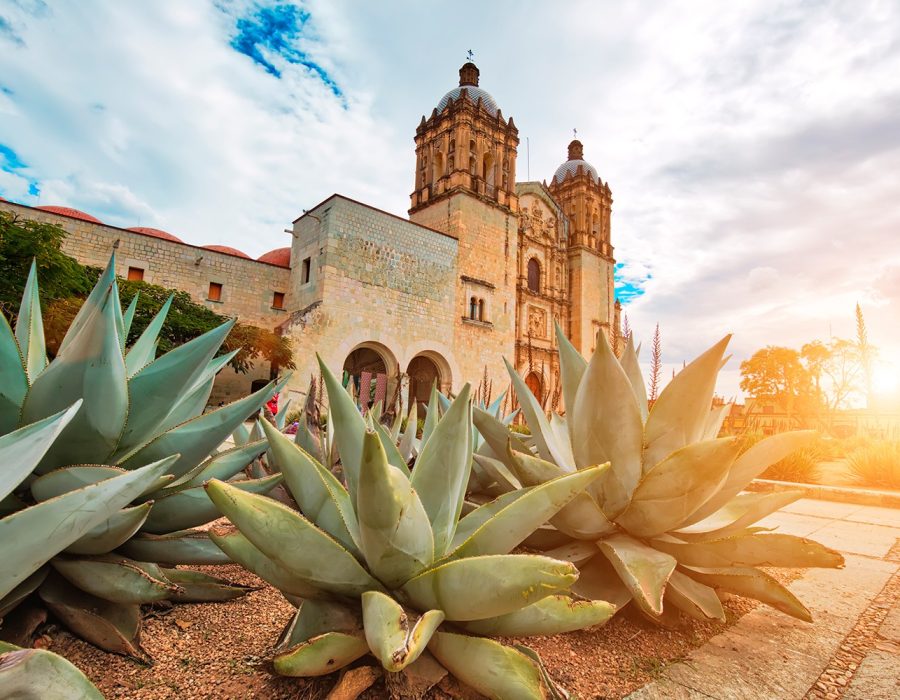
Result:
x=479 y=271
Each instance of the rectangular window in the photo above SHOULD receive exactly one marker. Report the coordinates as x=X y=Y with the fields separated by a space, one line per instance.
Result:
x=135 y=274
x=304 y=273
x=278 y=300
x=215 y=292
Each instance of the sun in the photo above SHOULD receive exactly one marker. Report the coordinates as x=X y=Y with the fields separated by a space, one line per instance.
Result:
x=885 y=378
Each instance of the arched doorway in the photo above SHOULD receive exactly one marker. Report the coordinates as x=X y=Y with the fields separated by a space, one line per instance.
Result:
x=536 y=384
x=425 y=370
x=368 y=370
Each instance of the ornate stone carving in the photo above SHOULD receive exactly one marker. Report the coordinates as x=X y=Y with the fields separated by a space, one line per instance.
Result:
x=537 y=322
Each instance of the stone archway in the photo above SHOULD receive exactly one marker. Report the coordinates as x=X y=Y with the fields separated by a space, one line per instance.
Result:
x=423 y=371
x=536 y=384
x=373 y=370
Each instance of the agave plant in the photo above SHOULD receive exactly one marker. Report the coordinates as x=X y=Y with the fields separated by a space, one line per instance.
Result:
x=38 y=674
x=668 y=526
x=134 y=409
x=387 y=566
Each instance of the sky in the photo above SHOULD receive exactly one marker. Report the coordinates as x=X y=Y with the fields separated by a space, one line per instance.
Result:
x=752 y=147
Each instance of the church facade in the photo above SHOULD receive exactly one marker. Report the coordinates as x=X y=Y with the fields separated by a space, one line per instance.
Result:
x=479 y=271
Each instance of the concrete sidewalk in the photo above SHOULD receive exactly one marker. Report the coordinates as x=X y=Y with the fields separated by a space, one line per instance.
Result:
x=851 y=650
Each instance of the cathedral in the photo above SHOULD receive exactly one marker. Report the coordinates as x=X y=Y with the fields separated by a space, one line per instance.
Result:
x=478 y=272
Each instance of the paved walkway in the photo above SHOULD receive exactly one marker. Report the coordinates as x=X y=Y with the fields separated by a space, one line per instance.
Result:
x=850 y=651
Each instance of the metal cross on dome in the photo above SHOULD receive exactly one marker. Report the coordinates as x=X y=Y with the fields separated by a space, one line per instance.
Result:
x=470 y=54
x=574 y=133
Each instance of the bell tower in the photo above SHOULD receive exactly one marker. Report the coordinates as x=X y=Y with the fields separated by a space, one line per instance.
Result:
x=587 y=202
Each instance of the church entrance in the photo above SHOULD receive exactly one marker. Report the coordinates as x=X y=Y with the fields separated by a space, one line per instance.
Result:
x=368 y=370
x=424 y=371
x=534 y=382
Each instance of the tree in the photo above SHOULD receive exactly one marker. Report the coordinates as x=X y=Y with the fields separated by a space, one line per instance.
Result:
x=778 y=375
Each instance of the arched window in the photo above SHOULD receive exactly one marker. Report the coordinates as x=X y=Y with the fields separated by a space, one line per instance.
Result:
x=438 y=166
x=534 y=275
x=481 y=310
x=473 y=309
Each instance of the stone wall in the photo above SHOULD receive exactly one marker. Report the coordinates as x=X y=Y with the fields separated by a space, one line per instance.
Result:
x=248 y=286
x=376 y=281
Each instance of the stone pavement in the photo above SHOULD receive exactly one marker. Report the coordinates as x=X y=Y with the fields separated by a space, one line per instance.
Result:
x=850 y=651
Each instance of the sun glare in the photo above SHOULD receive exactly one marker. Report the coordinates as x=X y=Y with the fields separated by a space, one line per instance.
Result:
x=885 y=378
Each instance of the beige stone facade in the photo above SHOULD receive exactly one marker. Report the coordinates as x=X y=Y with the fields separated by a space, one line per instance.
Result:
x=479 y=272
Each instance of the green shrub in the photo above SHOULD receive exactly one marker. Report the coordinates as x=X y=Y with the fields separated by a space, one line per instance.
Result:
x=876 y=464
x=800 y=467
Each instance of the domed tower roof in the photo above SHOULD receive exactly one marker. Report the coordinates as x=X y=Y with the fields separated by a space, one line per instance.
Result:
x=71 y=213
x=468 y=81
x=279 y=256
x=576 y=160
x=228 y=250
x=156 y=233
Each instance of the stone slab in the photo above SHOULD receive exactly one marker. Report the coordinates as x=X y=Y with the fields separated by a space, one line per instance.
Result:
x=832 y=510
x=857 y=538
x=664 y=689
x=890 y=628
x=794 y=523
x=877 y=677
x=875 y=515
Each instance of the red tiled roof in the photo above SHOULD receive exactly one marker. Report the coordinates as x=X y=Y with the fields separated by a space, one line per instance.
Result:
x=279 y=256
x=72 y=213
x=156 y=233
x=228 y=250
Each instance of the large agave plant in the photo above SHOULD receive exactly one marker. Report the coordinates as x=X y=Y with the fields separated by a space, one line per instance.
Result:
x=134 y=409
x=668 y=526
x=387 y=566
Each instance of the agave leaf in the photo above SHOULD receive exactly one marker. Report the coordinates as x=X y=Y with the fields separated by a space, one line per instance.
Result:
x=773 y=549
x=192 y=507
x=224 y=465
x=321 y=655
x=480 y=515
x=496 y=671
x=510 y=526
x=144 y=349
x=671 y=491
x=598 y=580
x=679 y=415
x=38 y=529
x=37 y=674
x=108 y=535
x=693 y=598
x=62 y=481
x=198 y=437
x=571 y=369
x=750 y=465
x=242 y=551
x=181 y=547
x=91 y=367
x=559 y=426
x=30 y=327
x=751 y=583
x=714 y=421
x=394 y=639
x=642 y=569
x=22 y=450
x=240 y=434
x=292 y=541
x=315 y=617
x=495 y=474
x=582 y=518
x=532 y=470
x=22 y=591
x=432 y=413
x=120 y=319
x=156 y=387
x=554 y=614
x=407 y=442
x=111 y=626
x=193 y=402
x=396 y=425
x=13 y=379
x=575 y=551
x=197 y=587
x=92 y=305
x=442 y=470
x=281 y=416
x=739 y=513
x=349 y=427
x=321 y=497
x=127 y=320
x=116 y=578
x=632 y=369
x=394 y=532
x=498 y=437
x=489 y=586
x=395 y=459
x=543 y=435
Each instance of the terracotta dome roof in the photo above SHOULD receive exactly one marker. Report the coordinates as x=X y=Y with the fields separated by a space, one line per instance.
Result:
x=228 y=250
x=279 y=256
x=72 y=213
x=156 y=233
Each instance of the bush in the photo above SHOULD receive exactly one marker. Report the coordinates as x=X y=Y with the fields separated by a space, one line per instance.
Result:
x=876 y=464
x=520 y=428
x=800 y=467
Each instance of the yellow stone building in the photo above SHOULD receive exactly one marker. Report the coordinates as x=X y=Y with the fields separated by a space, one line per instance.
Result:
x=477 y=273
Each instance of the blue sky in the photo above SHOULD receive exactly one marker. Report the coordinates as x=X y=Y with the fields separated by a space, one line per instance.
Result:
x=752 y=147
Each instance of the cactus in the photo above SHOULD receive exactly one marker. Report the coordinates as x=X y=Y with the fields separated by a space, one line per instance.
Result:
x=667 y=527
x=131 y=409
x=387 y=566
